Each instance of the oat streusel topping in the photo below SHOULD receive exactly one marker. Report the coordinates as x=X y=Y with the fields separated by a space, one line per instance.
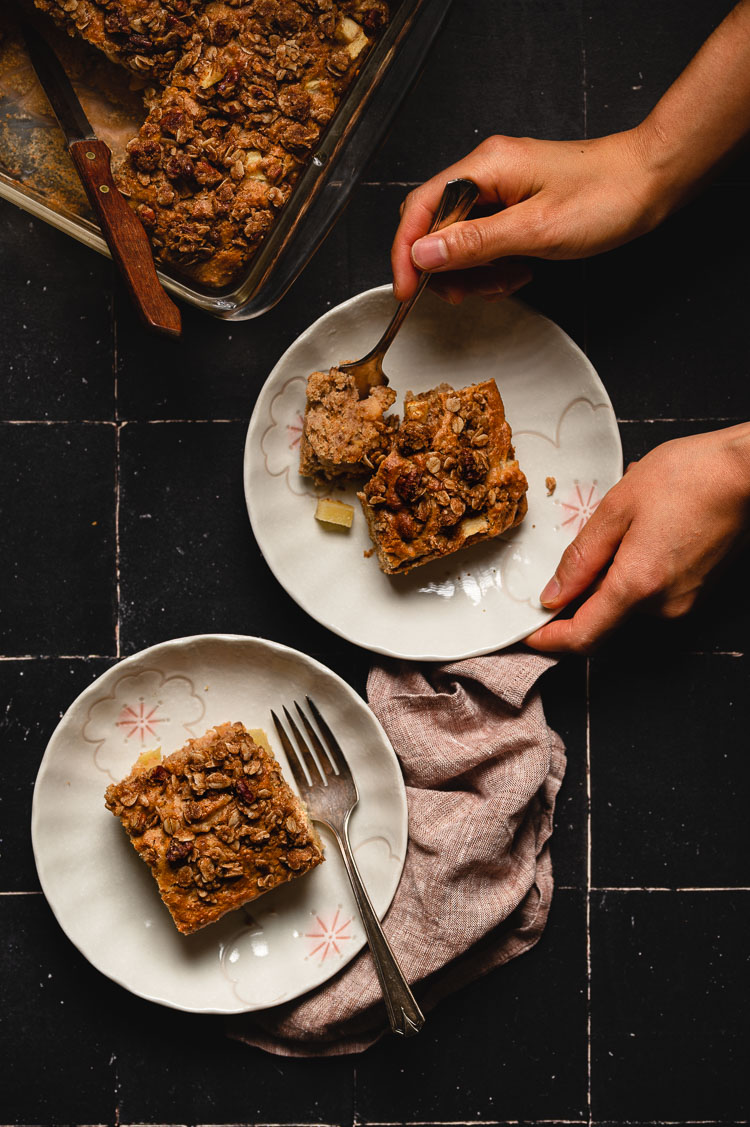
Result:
x=451 y=479
x=216 y=823
x=147 y=36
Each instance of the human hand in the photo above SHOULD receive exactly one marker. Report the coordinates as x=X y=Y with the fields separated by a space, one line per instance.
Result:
x=556 y=199
x=653 y=539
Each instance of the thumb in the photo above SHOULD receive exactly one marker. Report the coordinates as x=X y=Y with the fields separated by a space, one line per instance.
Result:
x=583 y=559
x=518 y=231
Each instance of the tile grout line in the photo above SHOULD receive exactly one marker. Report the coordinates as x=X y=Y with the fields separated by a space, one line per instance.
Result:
x=243 y=421
x=355 y=1120
x=120 y=422
x=118 y=653
x=681 y=419
x=118 y=649
x=675 y=888
x=588 y=893
x=390 y=183
x=476 y=1123
x=56 y=657
x=584 y=84
x=118 y=428
x=589 y=1112
x=560 y=888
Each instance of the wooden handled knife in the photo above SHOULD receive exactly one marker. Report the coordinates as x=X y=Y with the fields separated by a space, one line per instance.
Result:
x=121 y=228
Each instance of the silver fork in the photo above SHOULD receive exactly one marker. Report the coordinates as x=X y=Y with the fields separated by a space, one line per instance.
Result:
x=459 y=196
x=330 y=800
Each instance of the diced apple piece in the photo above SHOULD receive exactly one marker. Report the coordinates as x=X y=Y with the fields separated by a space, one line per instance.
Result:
x=354 y=37
x=472 y=525
x=335 y=512
x=148 y=759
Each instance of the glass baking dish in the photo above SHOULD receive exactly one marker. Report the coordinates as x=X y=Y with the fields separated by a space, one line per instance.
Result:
x=37 y=175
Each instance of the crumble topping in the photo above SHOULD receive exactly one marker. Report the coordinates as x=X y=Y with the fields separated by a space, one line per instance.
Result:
x=216 y=823
x=450 y=480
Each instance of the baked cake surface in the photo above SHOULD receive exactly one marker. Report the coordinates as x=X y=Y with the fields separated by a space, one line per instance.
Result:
x=451 y=479
x=343 y=435
x=147 y=36
x=237 y=94
x=216 y=823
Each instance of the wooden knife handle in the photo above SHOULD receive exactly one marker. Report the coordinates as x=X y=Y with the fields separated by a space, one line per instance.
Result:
x=125 y=237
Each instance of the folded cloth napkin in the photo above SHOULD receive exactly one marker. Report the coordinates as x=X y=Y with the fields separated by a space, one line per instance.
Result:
x=482 y=771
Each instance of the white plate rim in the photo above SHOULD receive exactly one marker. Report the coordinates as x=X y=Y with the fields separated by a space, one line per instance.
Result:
x=122 y=665
x=255 y=422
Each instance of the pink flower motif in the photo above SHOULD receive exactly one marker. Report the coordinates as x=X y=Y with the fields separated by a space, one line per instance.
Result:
x=329 y=936
x=294 y=430
x=580 y=507
x=139 y=722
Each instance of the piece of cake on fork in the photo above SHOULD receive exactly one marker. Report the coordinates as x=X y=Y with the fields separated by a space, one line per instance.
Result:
x=451 y=479
x=344 y=436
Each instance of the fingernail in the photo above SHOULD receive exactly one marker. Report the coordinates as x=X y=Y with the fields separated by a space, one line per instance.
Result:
x=550 y=592
x=429 y=253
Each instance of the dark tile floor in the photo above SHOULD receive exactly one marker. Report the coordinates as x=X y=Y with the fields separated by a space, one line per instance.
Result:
x=119 y=486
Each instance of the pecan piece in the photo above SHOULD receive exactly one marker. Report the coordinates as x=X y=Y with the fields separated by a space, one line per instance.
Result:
x=178 y=851
x=472 y=465
x=405 y=526
x=245 y=792
x=409 y=484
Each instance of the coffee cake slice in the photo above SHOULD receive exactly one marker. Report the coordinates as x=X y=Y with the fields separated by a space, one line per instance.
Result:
x=216 y=823
x=344 y=436
x=451 y=479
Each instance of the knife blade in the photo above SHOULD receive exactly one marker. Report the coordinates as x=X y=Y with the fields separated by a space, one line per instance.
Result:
x=124 y=233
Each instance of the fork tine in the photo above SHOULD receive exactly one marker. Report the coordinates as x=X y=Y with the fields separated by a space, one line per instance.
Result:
x=337 y=756
x=305 y=754
x=323 y=757
x=292 y=758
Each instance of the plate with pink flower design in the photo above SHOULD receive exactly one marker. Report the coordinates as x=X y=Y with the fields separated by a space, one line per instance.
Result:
x=487 y=596
x=279 y=946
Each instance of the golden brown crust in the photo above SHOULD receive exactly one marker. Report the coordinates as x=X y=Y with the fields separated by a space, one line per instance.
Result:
x=450 y=481
x=147 y=36
x=343 y=435
x=216 y=823
x=240 y=94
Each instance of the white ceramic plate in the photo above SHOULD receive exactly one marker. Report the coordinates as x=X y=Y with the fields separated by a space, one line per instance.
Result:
x=103 y=895
x=487 y=596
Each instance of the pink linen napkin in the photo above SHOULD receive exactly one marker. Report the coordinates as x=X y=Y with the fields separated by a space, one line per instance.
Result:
x=482 y=771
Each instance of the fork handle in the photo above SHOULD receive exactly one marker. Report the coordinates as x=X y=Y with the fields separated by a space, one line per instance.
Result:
x=404 y=1015
x=457 y=200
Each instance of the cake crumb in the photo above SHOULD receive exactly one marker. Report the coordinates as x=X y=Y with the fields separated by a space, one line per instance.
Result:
x=368 y=552
x=551 y=484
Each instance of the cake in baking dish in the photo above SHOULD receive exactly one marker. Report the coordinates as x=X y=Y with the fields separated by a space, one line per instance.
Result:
x=237 y=96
